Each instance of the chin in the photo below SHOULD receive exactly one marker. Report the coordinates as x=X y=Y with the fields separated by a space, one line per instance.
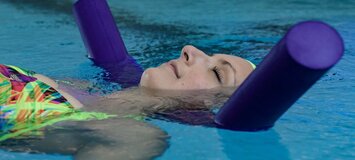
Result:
x=149 y=77
x=156 y=78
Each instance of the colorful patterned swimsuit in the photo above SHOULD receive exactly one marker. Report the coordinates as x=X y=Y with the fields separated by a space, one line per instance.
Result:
x=27 y=104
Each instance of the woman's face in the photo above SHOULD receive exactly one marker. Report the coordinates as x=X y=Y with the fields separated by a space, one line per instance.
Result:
x=196 y=70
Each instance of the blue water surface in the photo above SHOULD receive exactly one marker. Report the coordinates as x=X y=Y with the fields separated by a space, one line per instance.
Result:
x=41 y=35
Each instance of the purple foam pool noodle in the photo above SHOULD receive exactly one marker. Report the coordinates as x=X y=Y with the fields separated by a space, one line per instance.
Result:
x=99 y=31
x=299 y=59
x=104 y=43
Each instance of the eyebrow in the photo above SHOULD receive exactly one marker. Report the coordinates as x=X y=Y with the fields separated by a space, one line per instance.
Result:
x=224 y=62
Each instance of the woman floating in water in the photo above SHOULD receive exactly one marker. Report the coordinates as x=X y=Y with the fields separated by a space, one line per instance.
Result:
x=31 y=101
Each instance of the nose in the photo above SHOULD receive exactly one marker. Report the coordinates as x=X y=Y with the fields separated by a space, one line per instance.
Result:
x=191 y=55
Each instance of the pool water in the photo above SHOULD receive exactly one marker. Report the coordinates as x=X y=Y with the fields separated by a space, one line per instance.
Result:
x=41 y=35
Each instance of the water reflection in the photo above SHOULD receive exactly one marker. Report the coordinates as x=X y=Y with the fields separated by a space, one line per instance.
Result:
x=191 y=142
x=258 y=145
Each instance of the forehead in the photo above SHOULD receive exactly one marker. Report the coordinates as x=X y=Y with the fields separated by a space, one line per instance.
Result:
x=234 y=60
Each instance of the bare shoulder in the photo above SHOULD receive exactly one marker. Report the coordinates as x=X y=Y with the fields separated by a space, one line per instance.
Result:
x=47 y=80
x=76 y=103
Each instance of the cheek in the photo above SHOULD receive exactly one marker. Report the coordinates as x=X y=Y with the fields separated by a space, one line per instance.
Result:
x=197 y=81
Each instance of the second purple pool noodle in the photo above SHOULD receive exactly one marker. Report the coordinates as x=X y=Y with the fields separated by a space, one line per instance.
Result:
x=100 y=34
x=104 y=43
x=299 y=59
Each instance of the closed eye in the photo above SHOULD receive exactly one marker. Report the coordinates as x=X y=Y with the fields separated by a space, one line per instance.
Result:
x=217 y=72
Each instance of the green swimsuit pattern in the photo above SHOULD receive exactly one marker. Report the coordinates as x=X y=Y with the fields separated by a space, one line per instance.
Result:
x=27 y=104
